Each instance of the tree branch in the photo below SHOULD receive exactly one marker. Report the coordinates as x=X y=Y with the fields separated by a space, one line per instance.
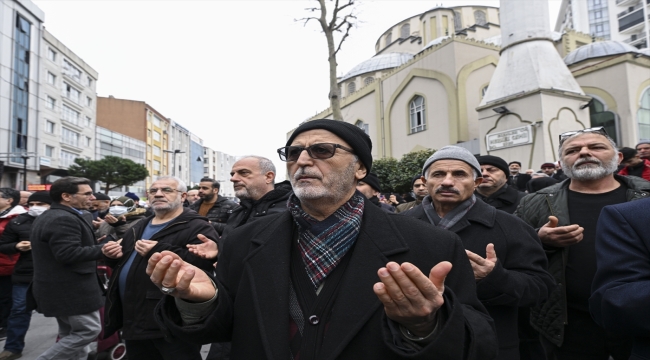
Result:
x=306 y=20
x=347 y=32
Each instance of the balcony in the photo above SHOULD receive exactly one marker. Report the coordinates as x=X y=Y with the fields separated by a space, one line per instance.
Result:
x=626 y=2
x=636 y=40
x=629 y=10
x=631 y=22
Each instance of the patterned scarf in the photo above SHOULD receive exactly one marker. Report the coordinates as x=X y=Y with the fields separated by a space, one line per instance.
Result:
x=323 y=244
x=452 y=217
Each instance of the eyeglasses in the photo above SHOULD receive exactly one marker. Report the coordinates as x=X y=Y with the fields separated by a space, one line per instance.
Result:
x=316 y=151
x=598 y=130
x=89 y=193
x=165 y=190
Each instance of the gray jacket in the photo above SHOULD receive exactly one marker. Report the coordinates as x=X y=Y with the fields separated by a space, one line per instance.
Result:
x=550 y=317
x=64 y=251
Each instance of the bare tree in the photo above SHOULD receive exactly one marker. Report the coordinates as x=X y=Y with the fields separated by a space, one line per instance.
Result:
x=342 y=20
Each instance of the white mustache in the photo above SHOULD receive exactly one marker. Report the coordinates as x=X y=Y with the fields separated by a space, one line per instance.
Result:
x=586 y=160
x=303 y=172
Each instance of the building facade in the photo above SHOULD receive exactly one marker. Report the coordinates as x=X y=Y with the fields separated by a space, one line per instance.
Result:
x=179 y=152
x=196 y=160
x=111 y=143
x=67 y=119
x=20 y=80
x=217 y=165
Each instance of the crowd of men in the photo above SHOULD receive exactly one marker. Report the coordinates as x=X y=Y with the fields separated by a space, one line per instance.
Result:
x=484 y=262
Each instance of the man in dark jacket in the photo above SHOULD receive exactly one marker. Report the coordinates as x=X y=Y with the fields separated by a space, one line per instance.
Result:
x=419 y=191
x=565 y=216
x=16 y=240
x=131 y=296
x=507 y=257
x=634 y=165
x=517 y=179
x=298 y=284
x=371 y=188
x=65 y=283
x=493 y=190
x=212 y=205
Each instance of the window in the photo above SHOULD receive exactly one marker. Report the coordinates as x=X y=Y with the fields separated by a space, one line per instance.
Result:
x=418 y=119
x=352 y=87
x=88 y=121
x=156 y=121
x=19 y=115
x=87 y=141
x=51 y=78
x=49 y=150
x=49 y=126
x=368 y=80
x=89 y=81
x=71 y=70
x=405 y=31
x=156 y=136
x=70 y=115
x=156 y=151
x=149 y=164
x=67 y=158
x=89 y=101
x=643 y=116
x=51 y=54
x=389 y=38
x=599 y=116
x=71 y=93
x=69 y=137
x=148 y=133
x=50 y=103
x=458 y=21
x=479 y=17
x=206 y=169
x=156 y=165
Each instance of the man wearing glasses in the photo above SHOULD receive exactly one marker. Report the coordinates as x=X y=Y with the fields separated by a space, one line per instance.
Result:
x=65 y=285
x=131 y=297
x=565 y=216
x=332 y=277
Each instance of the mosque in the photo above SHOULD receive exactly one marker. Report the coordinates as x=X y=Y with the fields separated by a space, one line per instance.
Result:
x=448 y=76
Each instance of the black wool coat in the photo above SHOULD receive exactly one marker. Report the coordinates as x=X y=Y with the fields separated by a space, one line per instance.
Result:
x=19 y=229
x=519 y=278
x=505 y=199
x=65 y=255
x=142 y=295
x=253 y=300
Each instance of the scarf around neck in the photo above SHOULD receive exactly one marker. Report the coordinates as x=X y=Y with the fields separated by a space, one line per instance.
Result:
x=452 y=217
x=323 y=244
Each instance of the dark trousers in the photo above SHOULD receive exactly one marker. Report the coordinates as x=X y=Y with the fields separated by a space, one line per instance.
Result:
x=5 y=299
x=159 y=349
x=19 y=319
x=585 y=340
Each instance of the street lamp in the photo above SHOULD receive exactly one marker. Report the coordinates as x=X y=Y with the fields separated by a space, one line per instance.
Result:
x=174 y=159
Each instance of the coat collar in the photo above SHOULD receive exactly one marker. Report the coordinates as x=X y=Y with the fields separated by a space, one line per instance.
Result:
x=58 y=206
x=506 y=194
x=268 y=269
x=480 y=213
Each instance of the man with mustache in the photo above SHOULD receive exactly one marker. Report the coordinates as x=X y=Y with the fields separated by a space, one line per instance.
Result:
x=507 y=257
x=565 y=216
x=334 y=277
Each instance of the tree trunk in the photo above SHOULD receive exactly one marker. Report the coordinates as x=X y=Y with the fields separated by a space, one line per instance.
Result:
x=334 y=94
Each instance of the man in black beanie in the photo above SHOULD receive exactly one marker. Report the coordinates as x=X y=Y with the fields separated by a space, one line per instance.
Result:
x=370 y=188
x=298 y=283
x=419 y=191
x=494 y=189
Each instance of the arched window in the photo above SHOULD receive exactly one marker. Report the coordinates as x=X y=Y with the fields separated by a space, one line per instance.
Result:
x=352 y=87
x=368 y=80
x=599 y=116
x=389 y=38
x=405 y=31
x=643 y=115
x=479 y=17
x=417 y=114
x=361 y=125
x=458 y=21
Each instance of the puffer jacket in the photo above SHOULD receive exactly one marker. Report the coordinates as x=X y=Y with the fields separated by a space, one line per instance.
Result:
x=7 y=262
x=550 y=317
x=218 y=213
x=19 y=229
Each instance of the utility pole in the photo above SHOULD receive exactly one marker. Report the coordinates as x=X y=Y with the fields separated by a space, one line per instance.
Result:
x=177 y=151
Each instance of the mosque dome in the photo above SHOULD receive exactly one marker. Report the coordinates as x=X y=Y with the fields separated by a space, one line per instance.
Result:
x=599 y=49
x=378 y=62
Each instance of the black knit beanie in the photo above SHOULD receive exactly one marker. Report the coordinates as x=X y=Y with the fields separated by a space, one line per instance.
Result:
x=372 y=180
x=40 y=196
x=358 y=140
x=494 y=161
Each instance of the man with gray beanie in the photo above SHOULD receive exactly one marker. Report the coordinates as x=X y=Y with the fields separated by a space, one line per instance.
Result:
x=333 y=277
x=507 y=257
x=494 y=189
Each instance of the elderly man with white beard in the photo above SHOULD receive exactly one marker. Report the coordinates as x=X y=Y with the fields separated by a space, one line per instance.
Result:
x=565 y=216
x=332 y=277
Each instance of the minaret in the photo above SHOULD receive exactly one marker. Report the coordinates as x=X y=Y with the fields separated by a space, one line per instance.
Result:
x=532 y=91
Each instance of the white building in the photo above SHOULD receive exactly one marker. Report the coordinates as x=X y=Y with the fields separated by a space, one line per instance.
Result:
x=179 y=151
x=67 y=119
x=217 y=165
x=21 y=27
x=619 y=20
x=111 y=143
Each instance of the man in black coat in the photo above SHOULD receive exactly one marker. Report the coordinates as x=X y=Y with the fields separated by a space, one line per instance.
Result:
x=131 y=296
x=507 y=257
x=65 y=257
x=329 y=278
x=212 y=205
x=493 y=190
x=517 y=179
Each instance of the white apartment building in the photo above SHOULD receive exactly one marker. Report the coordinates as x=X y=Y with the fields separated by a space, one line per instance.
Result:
x=179 y=151
x=67 y=119
x=217 y=165
x=620 y=20
x=20 y=78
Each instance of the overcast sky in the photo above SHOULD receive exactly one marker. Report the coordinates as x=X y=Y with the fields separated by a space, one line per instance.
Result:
x=239 y=74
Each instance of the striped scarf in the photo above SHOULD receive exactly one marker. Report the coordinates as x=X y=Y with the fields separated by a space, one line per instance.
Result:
x=323 y=244
x=452 y=217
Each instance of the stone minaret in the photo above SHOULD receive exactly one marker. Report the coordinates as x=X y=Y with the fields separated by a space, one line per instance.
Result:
x=534 y=91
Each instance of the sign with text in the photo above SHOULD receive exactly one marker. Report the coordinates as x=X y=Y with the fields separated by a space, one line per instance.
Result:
x=39 y=187
x=509 y=138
